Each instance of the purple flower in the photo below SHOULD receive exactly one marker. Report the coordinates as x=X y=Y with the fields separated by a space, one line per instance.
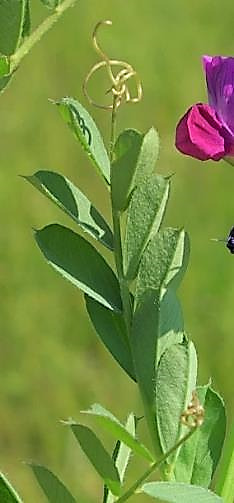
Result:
x=207 y=131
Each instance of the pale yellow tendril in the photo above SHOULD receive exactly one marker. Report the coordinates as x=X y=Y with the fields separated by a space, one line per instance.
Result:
x=119 y=82
x=193 y=416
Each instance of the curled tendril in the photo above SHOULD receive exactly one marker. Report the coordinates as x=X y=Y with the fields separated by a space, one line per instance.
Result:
x=193 y=416
x=119 y=87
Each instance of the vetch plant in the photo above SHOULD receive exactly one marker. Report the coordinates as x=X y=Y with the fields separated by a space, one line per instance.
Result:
x=136 y=313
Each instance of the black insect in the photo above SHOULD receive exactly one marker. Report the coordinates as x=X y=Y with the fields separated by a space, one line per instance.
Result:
x=230 y=241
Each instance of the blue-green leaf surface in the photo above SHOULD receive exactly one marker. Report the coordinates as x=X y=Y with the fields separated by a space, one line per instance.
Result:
x=176 y=379
x=163 y=263
x=200 y=455
x=171 y=322
x=53 y=488
x=127 y=149
x=78 y=261
x=225 y=480
x=144 y=343
x=157 y=320
x=11 y=24
x=98 y=456
x=87 y=133
x=72 y=201
x=148 y=155
x=145 y=214
x=12 y=16
x=111 y=329
x=172 y=492
x=121 y=457
x=118 y=431
x=135 y=156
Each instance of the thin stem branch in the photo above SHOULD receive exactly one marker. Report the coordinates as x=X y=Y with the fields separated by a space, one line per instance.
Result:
x=152 y=468
x=125 y=295
x=38 y=33
x=113 y=127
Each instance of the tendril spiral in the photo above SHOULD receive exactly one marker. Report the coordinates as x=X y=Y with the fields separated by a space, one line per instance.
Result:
x=119 y=82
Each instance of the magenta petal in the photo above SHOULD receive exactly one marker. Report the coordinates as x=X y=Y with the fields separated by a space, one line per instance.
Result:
x=199 y=134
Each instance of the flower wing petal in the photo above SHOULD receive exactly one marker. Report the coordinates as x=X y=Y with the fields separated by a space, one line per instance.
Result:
x=200 y=134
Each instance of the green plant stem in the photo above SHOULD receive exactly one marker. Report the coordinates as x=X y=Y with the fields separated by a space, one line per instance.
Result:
x=125 y=295
x=152 y=468
x=113 y=128
x=38 y=33
x=225 y=480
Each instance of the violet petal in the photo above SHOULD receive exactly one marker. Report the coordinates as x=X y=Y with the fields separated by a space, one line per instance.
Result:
x=220 y=84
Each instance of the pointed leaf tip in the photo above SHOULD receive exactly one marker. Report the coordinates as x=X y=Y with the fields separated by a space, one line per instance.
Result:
x=98 y=456
x=118 y=431
x=74 y=203
x=78 y=261
x=87 y=133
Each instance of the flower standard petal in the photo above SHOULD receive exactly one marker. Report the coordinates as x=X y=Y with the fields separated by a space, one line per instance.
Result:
x=200 y=134
x=220 y=85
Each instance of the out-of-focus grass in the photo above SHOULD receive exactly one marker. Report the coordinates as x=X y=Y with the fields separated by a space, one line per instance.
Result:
x=51 y=363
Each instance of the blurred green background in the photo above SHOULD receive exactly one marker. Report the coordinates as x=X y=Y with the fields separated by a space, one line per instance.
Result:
x=52 y=365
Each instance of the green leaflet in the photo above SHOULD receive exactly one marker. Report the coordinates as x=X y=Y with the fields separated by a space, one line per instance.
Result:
x=157 y=324
x=74 y=203
x=11 y=25
x=148 y=156
x=179 y=493
x=98 y=456
x=176 y=379
x=53 y=488
x=199 y=456
x=145 y=214
x=7 y=492
x=86 y=131
x=127 y=149
x=171 y=323
x=135 y=156
x=144 y=343
x=12 y=18
x=157 y=321
x=118 y=431
x=164 y=262
x=111 y=329
x=121 y=457
x=225 y=481
x=78 y=261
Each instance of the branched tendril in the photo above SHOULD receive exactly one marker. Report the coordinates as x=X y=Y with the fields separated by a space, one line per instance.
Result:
x=193 y=416
x=119 y=87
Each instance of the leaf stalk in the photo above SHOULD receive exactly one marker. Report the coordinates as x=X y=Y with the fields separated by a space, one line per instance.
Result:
x=131 y=491
x=38 y=33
